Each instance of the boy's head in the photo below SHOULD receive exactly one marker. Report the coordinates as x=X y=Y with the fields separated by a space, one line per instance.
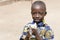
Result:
x=38 y=11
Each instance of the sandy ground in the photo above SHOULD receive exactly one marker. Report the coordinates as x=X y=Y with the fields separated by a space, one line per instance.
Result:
x=14 y=16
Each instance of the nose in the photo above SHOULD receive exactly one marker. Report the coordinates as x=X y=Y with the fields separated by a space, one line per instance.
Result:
x=37 y=15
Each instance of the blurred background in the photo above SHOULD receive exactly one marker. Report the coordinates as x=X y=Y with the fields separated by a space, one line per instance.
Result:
x=14 y=14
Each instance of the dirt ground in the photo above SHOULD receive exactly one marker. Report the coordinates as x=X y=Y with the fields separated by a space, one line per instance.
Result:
x=14 y=16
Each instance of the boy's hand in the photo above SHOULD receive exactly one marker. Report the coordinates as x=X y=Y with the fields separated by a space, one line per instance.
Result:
x=34 y=31
x=37 y=35
x=28 y=36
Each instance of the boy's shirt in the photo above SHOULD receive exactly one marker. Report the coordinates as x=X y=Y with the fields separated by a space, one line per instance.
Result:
x=43 y=29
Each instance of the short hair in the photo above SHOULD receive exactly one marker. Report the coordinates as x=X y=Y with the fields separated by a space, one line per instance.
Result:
x=41 y=3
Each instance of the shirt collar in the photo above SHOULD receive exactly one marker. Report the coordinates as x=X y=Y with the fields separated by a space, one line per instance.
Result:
x=40 y=24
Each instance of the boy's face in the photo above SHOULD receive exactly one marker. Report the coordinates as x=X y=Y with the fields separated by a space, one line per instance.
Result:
x=38 y=13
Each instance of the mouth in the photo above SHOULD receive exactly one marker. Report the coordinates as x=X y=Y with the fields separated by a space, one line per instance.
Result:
x=37 y=19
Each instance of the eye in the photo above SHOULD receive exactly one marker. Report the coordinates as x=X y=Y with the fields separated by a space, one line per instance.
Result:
x=33 y=12
x=41 y=13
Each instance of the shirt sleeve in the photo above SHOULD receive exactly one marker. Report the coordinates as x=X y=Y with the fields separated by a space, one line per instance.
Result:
x=49 y=35
x=25 y=30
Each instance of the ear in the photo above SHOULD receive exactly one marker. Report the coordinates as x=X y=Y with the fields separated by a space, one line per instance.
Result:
x=45 y=13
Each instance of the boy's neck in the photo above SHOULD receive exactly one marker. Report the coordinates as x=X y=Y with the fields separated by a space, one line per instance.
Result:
x=38 y=22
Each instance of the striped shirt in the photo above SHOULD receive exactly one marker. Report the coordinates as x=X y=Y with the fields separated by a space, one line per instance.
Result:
x=44 y=30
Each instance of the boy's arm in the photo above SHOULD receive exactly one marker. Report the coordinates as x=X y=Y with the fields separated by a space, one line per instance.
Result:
x=49 y=35
x=37 y=35
x=26 y=34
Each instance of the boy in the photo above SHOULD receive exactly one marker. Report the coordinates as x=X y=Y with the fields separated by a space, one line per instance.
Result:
x=37 y=30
